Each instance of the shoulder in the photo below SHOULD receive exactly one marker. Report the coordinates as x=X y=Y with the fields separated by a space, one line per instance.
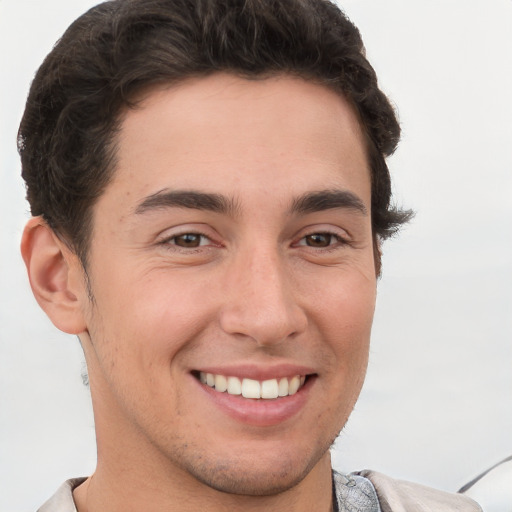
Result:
x=401 y=496
x=352 y=492
x=62 y=500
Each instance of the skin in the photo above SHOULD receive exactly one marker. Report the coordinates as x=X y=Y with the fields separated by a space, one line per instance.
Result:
x=260 y=285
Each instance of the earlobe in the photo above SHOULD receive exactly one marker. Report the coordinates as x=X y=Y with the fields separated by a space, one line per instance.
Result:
x=55 y=275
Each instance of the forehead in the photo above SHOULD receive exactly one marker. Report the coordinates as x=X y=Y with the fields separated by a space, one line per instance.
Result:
x=223 y=132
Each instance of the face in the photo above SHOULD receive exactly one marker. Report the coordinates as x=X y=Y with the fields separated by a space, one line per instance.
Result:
x=232 y=253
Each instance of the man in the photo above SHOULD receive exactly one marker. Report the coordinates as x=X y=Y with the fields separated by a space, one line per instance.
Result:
x=210 y=193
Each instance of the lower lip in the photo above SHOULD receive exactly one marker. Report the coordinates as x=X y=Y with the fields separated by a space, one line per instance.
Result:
x=260 y=412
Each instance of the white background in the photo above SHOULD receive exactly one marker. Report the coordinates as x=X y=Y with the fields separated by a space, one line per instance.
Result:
x=437 y=404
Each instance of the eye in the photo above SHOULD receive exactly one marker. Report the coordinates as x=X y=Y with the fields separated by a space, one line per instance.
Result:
x=321 y=240
x=189 y=240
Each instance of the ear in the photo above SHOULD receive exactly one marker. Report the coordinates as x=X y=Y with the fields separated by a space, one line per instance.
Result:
x=56 y=276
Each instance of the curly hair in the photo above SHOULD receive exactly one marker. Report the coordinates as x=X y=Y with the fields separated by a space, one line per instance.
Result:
x=67 y=137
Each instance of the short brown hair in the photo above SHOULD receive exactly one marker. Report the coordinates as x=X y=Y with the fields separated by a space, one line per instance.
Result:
x=108 y=55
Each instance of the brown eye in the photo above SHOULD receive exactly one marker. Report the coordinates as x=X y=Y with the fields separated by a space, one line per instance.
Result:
x=189 y=240
x=319 y=240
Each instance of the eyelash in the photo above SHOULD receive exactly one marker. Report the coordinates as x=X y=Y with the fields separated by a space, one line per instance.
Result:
x=170 y=242
x=338 y=239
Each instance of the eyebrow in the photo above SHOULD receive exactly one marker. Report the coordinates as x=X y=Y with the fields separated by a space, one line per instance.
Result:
x=307 y=203
x=187 y=199
x=326 y=200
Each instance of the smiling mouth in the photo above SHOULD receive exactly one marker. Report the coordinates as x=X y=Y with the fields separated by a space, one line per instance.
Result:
x=255 y=389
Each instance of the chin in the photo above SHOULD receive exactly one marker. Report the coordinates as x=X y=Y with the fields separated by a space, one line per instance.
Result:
x=267 y=472
x=250 y=481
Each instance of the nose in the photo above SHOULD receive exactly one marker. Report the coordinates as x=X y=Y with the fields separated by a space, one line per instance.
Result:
x=261 y=301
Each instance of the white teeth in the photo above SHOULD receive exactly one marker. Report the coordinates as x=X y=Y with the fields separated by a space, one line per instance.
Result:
x=234 y=386
x=294 y=385
x=221 y=383
x=250 y=388
x=283 y=387
x=269 y=389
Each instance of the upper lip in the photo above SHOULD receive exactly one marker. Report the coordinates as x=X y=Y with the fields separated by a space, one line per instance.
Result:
x=258 y=372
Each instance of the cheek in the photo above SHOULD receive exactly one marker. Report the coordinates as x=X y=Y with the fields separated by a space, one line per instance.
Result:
x=151 y=319
x=345 y=324
x=346 y=305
